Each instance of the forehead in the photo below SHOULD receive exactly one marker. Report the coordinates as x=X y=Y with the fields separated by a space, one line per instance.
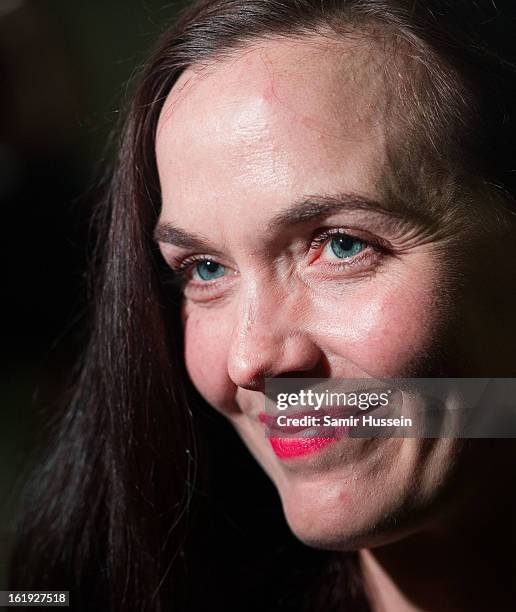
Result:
x=286 y=118
x=314 y=75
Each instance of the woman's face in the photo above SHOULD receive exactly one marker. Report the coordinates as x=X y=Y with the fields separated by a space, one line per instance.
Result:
x=277 y=174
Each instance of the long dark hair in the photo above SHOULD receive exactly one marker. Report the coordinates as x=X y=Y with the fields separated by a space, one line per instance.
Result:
x=120 y=511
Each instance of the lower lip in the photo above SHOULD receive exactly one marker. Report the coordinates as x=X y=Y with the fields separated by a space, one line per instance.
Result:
x=289 y=448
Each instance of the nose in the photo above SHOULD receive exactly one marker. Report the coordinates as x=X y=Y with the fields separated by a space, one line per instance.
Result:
x=268 y=341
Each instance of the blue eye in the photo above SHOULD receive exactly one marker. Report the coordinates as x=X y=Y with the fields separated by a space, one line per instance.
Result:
x=345 y=246
x=208 y=270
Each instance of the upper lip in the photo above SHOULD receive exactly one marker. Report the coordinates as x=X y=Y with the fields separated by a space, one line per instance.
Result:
x=271 y=423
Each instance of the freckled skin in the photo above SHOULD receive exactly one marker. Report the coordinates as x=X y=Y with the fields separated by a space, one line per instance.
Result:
x=236 y=144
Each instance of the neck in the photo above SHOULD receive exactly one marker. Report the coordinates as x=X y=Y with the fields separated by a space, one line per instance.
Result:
x=466 y=562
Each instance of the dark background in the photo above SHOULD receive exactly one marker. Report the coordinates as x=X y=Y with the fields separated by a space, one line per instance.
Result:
x=65 y=66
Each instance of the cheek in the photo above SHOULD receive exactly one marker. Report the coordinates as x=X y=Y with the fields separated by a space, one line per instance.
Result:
x=206 y=339
x=387 y=328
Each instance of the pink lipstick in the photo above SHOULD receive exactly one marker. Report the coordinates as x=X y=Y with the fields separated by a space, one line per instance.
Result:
x=285 y=443
x=288 y=448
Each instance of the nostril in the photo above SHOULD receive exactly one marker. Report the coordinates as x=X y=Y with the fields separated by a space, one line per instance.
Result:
x=315 y=366
x=249 y=373
x=256 y=383
x=308 y=373
x=265 y=352
x=252 y=374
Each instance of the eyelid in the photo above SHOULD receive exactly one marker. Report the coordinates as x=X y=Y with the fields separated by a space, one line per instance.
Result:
x=192 y=259
x=178 y=262
x=323 y=234
x=182 y=267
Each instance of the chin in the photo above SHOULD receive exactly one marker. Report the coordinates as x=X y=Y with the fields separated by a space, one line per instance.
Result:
x=334 y=520
x=350 y=508
x=327 y=515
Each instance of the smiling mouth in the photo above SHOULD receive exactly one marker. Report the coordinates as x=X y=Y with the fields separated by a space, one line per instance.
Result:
x=297 y=423
x=290 y=448
x=325 y=420
x=305 y=433
x=302 y=418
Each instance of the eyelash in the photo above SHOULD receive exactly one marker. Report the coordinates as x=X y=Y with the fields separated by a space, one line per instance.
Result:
x=184 y=267
x=323 y=236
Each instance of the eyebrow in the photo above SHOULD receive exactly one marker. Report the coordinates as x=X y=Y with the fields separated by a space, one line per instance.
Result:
x=166 y=232
x=320 y=206
x=306 y=210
